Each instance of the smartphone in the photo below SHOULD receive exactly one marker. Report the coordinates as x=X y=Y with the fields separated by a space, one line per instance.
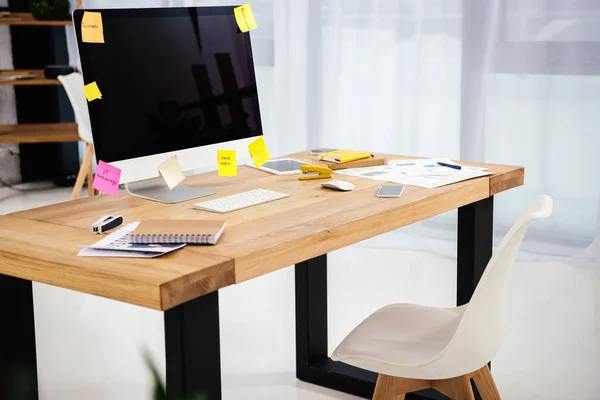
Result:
x=390 y=191
x=321 y=151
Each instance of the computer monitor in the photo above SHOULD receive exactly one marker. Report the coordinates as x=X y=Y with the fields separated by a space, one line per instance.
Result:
x=173 y=81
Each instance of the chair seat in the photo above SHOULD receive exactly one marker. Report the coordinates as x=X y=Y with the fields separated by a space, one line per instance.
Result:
x=400 y=339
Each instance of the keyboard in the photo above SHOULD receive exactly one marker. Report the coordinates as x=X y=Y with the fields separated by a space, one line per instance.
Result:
x=239 y=201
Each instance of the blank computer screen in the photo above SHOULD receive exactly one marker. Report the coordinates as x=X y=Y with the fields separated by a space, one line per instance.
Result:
x=170 y=79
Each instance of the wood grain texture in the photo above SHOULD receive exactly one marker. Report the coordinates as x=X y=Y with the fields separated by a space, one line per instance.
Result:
x=27 y=19
x=407 y=385
x=47 y=253
x=511 y=179
x=458 y=388
x=261 y=239
x=485 y=384
x=39 y=133
x=384 y=388
x=35 y=77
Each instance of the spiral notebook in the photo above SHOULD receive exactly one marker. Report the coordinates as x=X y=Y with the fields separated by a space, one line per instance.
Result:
x=161 y=231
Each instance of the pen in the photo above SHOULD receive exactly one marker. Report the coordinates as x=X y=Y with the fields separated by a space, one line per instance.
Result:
x=449 y=165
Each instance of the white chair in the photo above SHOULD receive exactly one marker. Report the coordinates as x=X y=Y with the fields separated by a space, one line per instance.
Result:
x=73 y=84
x=415 y=347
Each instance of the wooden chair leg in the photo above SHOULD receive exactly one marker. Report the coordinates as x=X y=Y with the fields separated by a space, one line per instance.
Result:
x=384 y=389
x=485 y=384
x=393 y=388
x=458 y=388
x=83 y=171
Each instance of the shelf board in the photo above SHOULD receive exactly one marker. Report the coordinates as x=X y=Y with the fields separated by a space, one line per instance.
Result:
x=35 y=77
x=27 y=19
x=39 y=133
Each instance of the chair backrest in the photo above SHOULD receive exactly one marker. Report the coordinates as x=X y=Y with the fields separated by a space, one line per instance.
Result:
x=73 y=84
x=478 y=336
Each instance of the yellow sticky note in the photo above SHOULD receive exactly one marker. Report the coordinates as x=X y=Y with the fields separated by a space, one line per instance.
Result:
x=227 y=163
x=171 y=171
x=244 y=18
x=259 y=152
x=92 y=30
x=92 y=91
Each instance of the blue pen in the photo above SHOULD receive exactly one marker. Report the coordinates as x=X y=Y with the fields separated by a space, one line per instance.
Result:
x=449 y=165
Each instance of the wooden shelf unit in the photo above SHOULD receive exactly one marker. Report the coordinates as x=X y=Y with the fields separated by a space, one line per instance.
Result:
x=39 y=133
x=27 y=19
x=35 y=133
x=36 y=74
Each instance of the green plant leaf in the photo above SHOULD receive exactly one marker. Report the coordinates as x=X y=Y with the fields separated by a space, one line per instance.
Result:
x=159 y=390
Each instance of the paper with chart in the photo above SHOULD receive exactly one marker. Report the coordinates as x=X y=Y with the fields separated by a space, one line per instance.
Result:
x=385 y=173
x=117 y=245
x=425 y=173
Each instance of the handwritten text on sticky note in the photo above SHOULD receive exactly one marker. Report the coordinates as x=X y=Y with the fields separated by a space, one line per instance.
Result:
x=259 y=152
x=171 y=171
x=92 y=30
x=107 y=178
x=244 y=18
x=92 y=91
x=227 y=163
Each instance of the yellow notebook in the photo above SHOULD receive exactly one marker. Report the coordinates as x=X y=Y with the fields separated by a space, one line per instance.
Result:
x=344 y=156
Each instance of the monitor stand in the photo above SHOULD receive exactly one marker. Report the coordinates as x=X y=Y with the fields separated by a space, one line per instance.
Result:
x=156 y=189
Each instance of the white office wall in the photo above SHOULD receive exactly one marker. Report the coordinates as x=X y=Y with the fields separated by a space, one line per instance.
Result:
x=549 y=124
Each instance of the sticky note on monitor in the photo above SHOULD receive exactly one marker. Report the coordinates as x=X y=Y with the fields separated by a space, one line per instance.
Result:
x=259 y=152
x=107 y=178
x=227 y=163
x=92 y=91
x=92 y=30
x=244 y=18
x=171 y=171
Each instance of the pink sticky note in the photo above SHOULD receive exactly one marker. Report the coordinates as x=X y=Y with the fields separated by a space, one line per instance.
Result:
x=107 y=178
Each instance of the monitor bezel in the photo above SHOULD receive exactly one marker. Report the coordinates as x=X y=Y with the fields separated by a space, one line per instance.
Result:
x=190 y=159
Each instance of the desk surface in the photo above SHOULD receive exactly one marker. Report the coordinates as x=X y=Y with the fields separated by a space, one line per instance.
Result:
x=41 y=244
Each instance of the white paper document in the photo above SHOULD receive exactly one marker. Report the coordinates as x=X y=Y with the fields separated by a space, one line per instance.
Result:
x=117 y=245
x=425 y=173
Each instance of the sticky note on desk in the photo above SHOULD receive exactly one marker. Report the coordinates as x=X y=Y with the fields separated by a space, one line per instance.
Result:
x=92 y=91
x=259 y=152
x=107 y=178
x=171 y=171
x=227 y=163
x=244 y=18
x=92 y=30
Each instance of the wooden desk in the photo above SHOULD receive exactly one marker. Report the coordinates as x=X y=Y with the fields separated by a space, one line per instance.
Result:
x=41 y=245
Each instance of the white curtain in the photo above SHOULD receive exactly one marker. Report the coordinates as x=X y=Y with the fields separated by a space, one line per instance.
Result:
x=510 y=82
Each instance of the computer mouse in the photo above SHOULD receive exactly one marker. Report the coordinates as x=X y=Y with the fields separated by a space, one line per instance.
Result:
x=338 y=185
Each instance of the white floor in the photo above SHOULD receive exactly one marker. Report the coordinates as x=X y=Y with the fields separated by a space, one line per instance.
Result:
x=91 y=348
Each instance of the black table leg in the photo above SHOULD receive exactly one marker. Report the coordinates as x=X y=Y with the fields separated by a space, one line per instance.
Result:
x=475 y=241
x=193 y=352
x=18 y=366
x=475 y=234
